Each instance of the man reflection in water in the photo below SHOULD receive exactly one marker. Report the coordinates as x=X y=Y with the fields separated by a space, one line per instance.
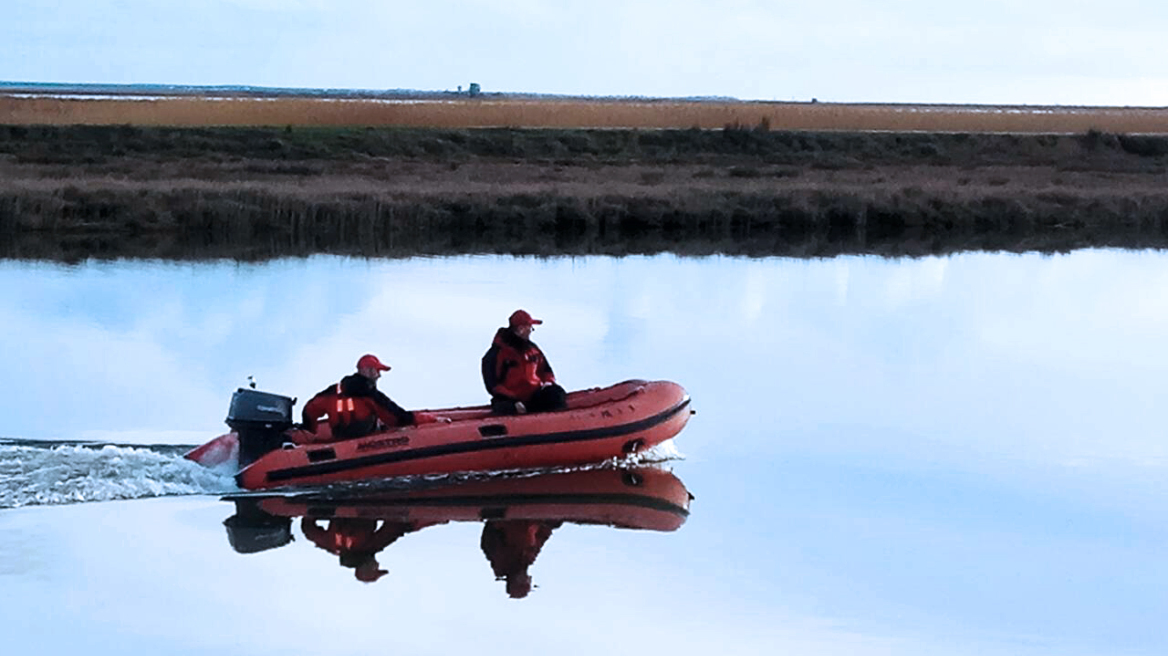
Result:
x=357 y=540
x=511 y=546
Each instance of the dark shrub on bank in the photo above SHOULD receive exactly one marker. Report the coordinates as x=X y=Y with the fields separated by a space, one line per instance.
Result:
x=90 y=144
x=1144 y=146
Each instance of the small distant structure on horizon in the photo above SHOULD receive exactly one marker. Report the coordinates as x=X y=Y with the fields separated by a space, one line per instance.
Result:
x=473 y=89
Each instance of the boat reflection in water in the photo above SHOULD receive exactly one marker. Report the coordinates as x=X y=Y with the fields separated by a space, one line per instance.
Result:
x=518 y=512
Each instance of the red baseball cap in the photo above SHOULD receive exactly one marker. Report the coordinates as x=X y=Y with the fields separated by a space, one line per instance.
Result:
x=522 y=318
x=370 y=361
x=368 y=571
x=518 y=585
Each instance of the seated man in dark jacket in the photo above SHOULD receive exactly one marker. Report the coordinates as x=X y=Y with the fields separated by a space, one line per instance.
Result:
x=356 y=408
x=516 y=373
x=511 y=546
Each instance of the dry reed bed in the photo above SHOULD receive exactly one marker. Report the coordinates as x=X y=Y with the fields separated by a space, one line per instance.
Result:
x=812 y=217
x=83 y=191
x=250 y=226
x=586 y=113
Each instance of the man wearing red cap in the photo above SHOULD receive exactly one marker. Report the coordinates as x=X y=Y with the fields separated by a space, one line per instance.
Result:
x=511 y=546
x=516 y=373
x=356 y=408
x=357 y=541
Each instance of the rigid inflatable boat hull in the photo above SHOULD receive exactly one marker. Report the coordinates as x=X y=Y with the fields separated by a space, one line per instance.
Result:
x=598 y=425
x=643 y=498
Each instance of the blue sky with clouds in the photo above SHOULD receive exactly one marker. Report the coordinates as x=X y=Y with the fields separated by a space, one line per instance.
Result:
x=1072 y=52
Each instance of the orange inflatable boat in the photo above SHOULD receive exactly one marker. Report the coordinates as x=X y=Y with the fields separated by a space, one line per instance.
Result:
x=643 y=498
x=517 y=512
x=598 y=424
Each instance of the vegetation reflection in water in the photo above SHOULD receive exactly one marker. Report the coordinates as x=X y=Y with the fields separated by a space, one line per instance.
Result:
x=518 y=514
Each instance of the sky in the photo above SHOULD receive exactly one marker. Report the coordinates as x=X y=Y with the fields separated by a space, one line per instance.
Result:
x=1041 y=52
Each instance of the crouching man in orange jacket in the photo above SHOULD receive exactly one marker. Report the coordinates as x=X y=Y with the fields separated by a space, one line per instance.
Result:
x=354 y=407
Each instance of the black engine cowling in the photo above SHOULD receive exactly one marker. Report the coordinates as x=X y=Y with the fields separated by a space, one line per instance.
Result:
x=251 y=530
x=261 y=420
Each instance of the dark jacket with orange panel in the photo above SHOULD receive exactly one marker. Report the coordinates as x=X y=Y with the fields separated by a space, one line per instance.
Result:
x=354 y=534
x=515 y=367
x=354 y=406
x=512 y=545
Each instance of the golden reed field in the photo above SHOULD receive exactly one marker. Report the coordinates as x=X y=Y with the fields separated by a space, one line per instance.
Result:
x=575 y=113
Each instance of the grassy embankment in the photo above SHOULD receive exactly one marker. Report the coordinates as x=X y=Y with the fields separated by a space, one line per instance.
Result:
x=71 y=192
x=572 y=113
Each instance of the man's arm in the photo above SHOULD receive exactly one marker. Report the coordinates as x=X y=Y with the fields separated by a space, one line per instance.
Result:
x=545 y=372
x=490 y=374
x=390 y=413
x=315 y=534
x=495 y=373
x=316 y=407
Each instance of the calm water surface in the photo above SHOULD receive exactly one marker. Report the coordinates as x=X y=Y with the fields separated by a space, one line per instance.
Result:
x=958 y=455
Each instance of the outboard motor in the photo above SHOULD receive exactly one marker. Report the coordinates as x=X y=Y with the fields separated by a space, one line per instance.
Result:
x=251 y=530
x=260 y=419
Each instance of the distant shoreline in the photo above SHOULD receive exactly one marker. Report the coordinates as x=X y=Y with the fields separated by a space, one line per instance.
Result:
x=68 y=193
x=89 y=89
x=86 y=90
